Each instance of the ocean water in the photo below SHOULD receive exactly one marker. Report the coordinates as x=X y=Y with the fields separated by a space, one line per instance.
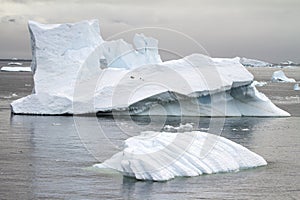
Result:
x=50 y=157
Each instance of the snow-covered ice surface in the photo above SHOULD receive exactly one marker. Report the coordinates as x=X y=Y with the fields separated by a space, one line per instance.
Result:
x=254 y=63
x=279 y=76
x=16 y=69
x=160 y=156
x=68 y=78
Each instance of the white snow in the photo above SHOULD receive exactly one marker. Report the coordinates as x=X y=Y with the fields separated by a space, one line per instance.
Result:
x=16 y=69
x=160 y=156
x=296 y=87
x=254 y=63
x=68 y=78
x=279 y=76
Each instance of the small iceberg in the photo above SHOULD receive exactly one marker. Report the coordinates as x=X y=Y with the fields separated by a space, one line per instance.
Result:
x=161 y=156
x=296 y=87
x=16 y=69
x=254 y=63
x=279 y=76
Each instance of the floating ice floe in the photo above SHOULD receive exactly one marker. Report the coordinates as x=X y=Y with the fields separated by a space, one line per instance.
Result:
x=15 y=63
x=254 y=63
x=288 y=63
x=296 y=87
x=77 y=72
x=279 y=76
x=16 y=69
x=259 y=83
x=180 y=128
x=160 y=156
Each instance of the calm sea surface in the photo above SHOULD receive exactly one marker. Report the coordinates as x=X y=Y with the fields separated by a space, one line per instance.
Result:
x=47 y=157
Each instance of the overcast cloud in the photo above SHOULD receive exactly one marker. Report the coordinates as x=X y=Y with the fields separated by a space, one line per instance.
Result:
x=263 y=29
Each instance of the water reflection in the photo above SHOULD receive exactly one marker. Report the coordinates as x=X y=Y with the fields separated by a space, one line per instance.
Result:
x=57 y=158
x=104 y=136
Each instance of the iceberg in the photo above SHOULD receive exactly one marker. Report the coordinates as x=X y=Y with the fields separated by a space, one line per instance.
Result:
x=296 y=87
x=288 y=63
x=77 y=72
x=279 y=76
x=254 y=63
x=161 y=156
x=16 y=69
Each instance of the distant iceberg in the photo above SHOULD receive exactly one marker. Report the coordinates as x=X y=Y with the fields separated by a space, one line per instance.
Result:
x=259 y=83
x=160 y=156
x=279 y=76
x=289 y=63
x=77 y=72
x=16 y=69
x=296 y=87
x=254 y=63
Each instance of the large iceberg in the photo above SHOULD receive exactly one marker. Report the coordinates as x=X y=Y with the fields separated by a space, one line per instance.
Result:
x=160 y=156
x=77 y=72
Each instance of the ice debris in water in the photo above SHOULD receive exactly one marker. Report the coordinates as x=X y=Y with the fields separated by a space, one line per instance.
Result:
x=259 y=83
x=181 y=128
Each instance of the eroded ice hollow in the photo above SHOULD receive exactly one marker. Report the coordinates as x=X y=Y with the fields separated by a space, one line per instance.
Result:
x=77 y=72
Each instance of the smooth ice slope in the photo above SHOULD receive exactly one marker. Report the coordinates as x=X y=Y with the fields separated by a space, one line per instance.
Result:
x=160 y=156
x=279 y=76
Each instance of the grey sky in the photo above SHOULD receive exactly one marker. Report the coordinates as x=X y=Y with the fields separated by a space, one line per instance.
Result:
x=263 y=29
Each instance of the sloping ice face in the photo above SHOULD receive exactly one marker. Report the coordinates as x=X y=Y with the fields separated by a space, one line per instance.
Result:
x=69 y=78
x=161 y=156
